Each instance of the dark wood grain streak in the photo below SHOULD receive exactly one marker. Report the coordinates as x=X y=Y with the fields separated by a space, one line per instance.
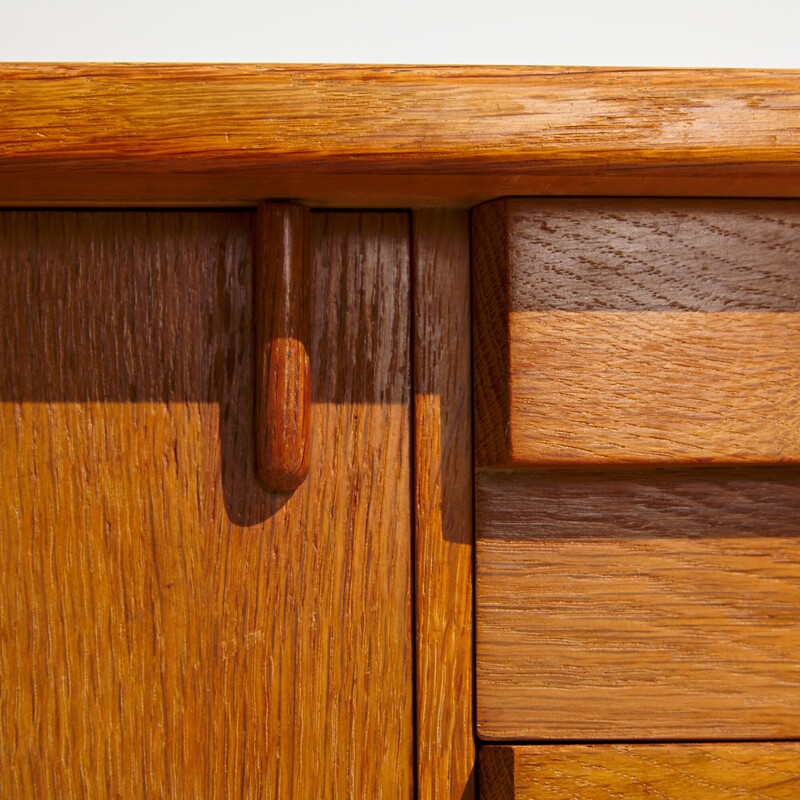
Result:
x=168 y=627
x=443 y=525
x=762 y=771
x=650 y=604
x=283 y=373
x=618 y=503
x=362 y=135
x=622 y=331
x=490 y=306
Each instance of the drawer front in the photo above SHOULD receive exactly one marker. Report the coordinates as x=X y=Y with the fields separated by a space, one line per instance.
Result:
x=766 y=770
x=655 y=604
x=637 y=332
x=637 y=494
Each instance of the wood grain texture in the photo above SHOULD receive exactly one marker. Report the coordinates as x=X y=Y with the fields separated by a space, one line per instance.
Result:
x=390 y=134
x=168 y=627
x=283 y=373
x=634 y=331
x=617 y=604
x=443 y=525
x=762 y=771
x=678 y=387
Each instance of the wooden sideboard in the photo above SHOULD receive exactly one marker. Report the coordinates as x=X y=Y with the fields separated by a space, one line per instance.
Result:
x=174 y=622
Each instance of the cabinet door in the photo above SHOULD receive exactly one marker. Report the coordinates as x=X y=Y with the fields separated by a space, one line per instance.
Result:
x=170 y=627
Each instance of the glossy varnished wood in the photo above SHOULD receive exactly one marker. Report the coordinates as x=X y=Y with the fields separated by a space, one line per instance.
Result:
x=391 y=135
x=170 y=628
x=637 y=331
x=283 y=373
x=443 y=525
x=766 y=771
x=616 y=604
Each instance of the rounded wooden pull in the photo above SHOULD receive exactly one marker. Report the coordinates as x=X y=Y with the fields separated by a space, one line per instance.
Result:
x=283 y=372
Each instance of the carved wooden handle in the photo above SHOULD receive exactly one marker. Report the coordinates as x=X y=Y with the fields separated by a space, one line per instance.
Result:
x=283 y=375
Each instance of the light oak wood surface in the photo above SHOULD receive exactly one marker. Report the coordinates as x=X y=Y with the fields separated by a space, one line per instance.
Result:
x=675 y=387
x=168 y=627
x=761 y=771
x=391 y=135
x=636 y=331
x=619 y=604
x=443 y=492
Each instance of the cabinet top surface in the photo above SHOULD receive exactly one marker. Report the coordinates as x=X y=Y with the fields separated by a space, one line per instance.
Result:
x=390 y=135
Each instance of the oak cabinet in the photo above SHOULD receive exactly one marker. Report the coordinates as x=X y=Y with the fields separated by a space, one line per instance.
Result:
x=172 y=626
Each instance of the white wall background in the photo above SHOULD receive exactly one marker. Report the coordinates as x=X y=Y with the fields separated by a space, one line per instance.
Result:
x=671 y=33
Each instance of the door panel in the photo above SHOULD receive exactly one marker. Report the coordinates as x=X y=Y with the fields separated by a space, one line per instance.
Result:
x=169 y=627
